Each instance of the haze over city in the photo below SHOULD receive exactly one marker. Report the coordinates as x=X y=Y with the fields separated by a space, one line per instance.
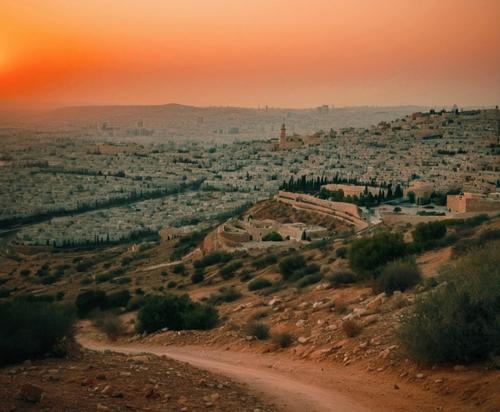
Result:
x=287 y=53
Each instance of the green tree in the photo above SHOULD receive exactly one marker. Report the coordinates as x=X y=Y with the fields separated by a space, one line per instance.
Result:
x=368 y=254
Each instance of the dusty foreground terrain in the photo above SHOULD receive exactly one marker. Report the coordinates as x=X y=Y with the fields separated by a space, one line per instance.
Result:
x=116 y=382
x=296 y=385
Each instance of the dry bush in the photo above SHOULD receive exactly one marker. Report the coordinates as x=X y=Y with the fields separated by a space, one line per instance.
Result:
x=260 y=314
x=352 y=327
x=283 y=339
x=111 y=325
x=257 y=329
x=341 y=307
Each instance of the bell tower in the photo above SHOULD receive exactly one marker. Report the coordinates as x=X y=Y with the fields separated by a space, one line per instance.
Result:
x=283 y=135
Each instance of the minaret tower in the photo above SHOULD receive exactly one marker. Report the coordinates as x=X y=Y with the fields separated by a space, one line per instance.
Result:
x=283 y=135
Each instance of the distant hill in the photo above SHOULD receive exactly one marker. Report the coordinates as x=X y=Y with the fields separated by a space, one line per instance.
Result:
x=190 y=121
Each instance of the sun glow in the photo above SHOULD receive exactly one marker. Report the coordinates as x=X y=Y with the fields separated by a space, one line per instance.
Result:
x=239 y=53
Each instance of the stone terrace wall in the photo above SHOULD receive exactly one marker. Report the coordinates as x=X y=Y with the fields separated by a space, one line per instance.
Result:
x=346 y=212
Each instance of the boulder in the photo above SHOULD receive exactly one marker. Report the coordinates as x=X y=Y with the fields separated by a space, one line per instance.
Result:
x=31 y=393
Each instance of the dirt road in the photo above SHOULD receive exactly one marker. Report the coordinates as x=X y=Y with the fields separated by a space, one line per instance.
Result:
x=283 y=390
x=294 y=385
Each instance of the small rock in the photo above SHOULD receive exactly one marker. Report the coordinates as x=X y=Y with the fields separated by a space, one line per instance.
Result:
x=150 y=391
x=31 y=393
x=420 y=376
x=108 y=390
x=274 y=301
x=138 y=358
x=459 y=368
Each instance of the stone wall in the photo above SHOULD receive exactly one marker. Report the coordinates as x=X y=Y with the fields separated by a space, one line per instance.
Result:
x=350 y=190
x=347 y=212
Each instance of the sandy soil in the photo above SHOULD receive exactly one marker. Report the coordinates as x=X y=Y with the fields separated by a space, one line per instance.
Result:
x=300 y=386
x=111 y=382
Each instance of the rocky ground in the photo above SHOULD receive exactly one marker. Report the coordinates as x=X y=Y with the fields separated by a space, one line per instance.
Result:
x=315 y=320
x=114 y=382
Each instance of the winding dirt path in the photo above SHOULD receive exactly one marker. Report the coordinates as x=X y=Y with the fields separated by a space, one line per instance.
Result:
x=295 y=385
x=286 y=392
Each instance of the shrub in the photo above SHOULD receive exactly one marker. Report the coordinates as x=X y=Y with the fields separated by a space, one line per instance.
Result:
x=32 y=329
x=200 y=317
x=368 y=254
x=245 y=275
x=264 y=261
x=25 y=272
x=172 y=284
x=49 y=280
x=321 y=244
x=136 y=303
x=426 y=234
x=111 y=325
x=283 y=339
x=341 y=277
x=341 y=306
x=198 y=276
x=84 y=265
x=309 y=280
x=179 y=269
x=187 y=243
x=43 y=270
x=175 y=313
x=463 y=246
x=212 y=259
x=118 y=299
x=274 y=288
x=341 y=252
x=272 y=237
x=487 y=235
x=37 y=298
x=291 y=264
x=257 y=329
x=450 y=239
x=352 y=327
x=470 y=222
x=105 y=277
x=259 y=283
x=227 y=272
x=398 y=275
x=125 y=261
x=310 y=269
x=89 y=300
x=225 y=294
x=260 y=314
x=122 y=281
x=4 y=293
x=459 y=320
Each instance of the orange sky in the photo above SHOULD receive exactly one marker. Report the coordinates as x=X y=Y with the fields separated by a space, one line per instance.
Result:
x=292 y=53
